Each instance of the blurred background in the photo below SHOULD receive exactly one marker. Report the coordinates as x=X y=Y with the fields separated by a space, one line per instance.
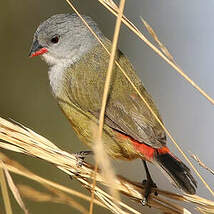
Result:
x=186 y=29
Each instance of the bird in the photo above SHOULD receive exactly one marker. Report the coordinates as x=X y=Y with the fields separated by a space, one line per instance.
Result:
x=77 y=71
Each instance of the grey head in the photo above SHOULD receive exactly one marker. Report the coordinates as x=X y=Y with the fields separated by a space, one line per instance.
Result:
x=63 y=39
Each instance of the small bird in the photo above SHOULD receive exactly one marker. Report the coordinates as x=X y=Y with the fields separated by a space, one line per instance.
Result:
x=77 y=71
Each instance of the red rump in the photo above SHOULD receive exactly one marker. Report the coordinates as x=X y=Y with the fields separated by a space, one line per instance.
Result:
x=147 y=151
x=39 y=52
x=163 y=150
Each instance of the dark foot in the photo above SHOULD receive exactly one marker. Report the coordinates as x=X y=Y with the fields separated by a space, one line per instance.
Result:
x=80 y=156
x=148 y=185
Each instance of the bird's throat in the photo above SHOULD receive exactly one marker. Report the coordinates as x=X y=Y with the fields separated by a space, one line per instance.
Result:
x=56 y=75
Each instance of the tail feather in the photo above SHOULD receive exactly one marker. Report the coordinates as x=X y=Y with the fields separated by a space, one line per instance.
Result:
x=178 y=171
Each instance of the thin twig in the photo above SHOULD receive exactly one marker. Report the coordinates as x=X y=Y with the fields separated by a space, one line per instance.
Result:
x=100 y=154
x=196 y=158
x=154 y=35
x=93 y=189
x=56 y=197
x=14 y=189
x=5 y=194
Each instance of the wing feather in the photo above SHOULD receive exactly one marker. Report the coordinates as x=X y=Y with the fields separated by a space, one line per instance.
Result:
x=125 y=112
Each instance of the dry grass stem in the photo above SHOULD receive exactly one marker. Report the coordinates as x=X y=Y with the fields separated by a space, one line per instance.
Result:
x=132 y=27
x=112 y=4
x=141 y=36
x=196 y=158
x=99 y=151
x=56 y=197
x=15 y=167
x=14 y=189
x=4 y=190
x=93 y=189
x=154 y=35
x=23 y=140
x=206 y=211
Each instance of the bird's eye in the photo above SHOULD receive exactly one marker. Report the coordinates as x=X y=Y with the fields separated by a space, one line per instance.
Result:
x=55 y=39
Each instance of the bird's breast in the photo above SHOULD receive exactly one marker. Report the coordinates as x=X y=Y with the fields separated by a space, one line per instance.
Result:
x=56 y=76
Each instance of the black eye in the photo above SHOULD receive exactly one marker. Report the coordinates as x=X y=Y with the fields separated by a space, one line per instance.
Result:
x=55 y=39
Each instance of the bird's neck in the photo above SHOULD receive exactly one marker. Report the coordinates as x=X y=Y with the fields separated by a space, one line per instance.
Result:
x=56 y=77
x=57 y=67
x=57 y=71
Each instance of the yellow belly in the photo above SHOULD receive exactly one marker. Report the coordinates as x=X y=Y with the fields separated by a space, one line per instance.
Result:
x=85 y=126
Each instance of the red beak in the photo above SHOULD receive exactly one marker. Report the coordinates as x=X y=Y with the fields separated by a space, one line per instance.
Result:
x=37 y=49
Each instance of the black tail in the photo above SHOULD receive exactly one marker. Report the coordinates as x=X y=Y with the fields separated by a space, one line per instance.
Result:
x=178 y=171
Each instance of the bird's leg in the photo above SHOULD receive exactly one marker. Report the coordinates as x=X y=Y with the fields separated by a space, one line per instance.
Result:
x=80 y=156
x=148 y=185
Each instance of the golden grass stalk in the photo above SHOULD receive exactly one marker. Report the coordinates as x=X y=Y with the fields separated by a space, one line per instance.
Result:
x=57 y=197
x=18 y=138
x=202 y=164
x=114 y=10
x=4 y=190
x=17 y=168
x=14 y=189
x=154 y=35
x=111 y=7
x=99 y=151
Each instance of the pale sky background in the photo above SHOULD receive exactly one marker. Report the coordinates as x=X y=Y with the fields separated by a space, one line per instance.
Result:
x=185 y=27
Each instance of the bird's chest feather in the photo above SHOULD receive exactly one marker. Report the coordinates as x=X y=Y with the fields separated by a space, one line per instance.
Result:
x=86 y=84
x=57 y=75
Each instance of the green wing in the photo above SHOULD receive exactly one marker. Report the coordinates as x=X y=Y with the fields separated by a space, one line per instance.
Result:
x=125 y=112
